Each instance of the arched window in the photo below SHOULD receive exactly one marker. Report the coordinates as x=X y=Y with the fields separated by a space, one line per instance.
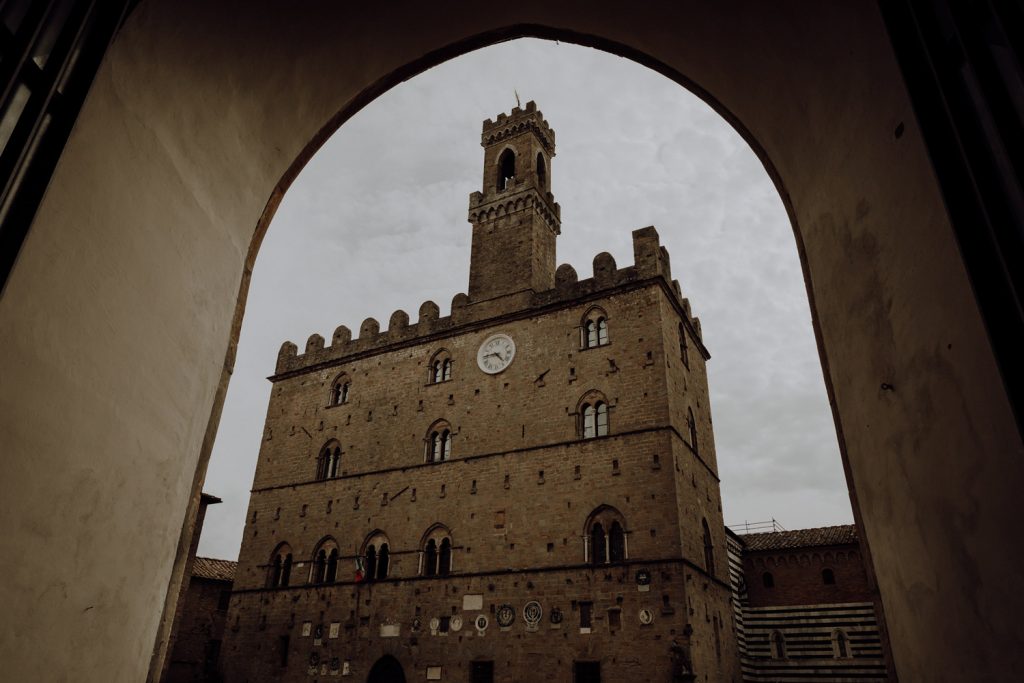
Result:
x=440 y=367
x=593 y=416
x=506 y=169
x=691 y=427
x=328 y=463
x=828 y=577
x=605 y=537
x=840 y=644
x=340 y=390
x=325 y=562
x=709 y=549
x=778 y=645
x=684 y=349
x=768 y=580
x=595 y=328
x=279 y=569
x=542 y=173
x=376 y=557
x=436 y=559
x=439 y=442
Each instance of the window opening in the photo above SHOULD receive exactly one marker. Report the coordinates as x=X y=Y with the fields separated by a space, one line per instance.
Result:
x=616 y=543
x=430 y=559
x=684 y=349
x=778 y=645
x=542 y=174
x=828 y=577
x=506 y=170
x=709 y=549
x=768 y=580
x=691 y=425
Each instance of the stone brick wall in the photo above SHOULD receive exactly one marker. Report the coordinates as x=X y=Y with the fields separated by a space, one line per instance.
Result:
x=520 y=486
x=798 y=579
x=199 y=636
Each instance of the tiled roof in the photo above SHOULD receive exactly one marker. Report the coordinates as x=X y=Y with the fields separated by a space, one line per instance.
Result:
x=218 y=570
x=801 y=538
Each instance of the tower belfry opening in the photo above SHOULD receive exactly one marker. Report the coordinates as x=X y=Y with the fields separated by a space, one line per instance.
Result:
x=515 y=218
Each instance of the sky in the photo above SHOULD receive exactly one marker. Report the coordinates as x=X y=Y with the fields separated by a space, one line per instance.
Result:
x=377 y=222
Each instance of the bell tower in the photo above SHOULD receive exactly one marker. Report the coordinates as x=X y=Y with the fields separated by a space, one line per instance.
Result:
x=515 y=218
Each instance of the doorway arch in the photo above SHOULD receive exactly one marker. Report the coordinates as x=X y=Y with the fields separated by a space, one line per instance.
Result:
x=387 y=669
x=130 y=288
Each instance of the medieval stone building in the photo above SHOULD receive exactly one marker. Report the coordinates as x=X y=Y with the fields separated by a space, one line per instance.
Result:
x=805 y=607
x=524 y=490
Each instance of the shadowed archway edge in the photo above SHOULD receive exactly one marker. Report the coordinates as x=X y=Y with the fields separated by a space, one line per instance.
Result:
x=142 y=250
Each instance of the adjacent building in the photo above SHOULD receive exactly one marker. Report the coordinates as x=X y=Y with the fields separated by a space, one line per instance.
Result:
x=525 y=489
x=805 y=608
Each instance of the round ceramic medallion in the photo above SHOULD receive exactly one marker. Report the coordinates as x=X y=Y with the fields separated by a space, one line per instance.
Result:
x=646 y=616
x=434 y=624
x=456 y=623
x=505 y=615
x=532 y=613
x=481 y=622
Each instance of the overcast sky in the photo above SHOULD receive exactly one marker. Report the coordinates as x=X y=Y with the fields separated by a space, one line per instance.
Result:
x=377 y=222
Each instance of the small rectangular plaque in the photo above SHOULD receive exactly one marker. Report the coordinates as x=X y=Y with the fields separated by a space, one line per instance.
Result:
x=389 y=630
x=433 y=673
x=471 y=603
x=307 y=628
x=335 y=628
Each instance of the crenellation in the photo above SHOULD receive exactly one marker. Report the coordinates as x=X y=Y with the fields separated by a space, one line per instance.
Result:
x=565 y=276
x=369 y=329
x=342 y=335
x=429 y=312
x=604 y=268
x=398 y=323
x=314 y=343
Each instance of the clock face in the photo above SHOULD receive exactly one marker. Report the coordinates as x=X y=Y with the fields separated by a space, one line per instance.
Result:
x=496 y=353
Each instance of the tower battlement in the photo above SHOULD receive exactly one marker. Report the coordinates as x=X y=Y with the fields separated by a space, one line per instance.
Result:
x=519 y=121
x=651 y=260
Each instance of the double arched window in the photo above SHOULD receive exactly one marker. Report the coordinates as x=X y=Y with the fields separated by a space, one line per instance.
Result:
x=376 y=557
x=436 y=556
x=440 y=367
x=709 y=549
x=506 y=169
x=340 y=389
x=279 y=571
x=325 y=562
x=328 y=463
x=593 y=416
x=594 y=329
x=605 y=537
x=439 y=442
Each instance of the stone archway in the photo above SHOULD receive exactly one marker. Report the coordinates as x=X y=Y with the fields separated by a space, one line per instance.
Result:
x=387 y=669
x=129 y=291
